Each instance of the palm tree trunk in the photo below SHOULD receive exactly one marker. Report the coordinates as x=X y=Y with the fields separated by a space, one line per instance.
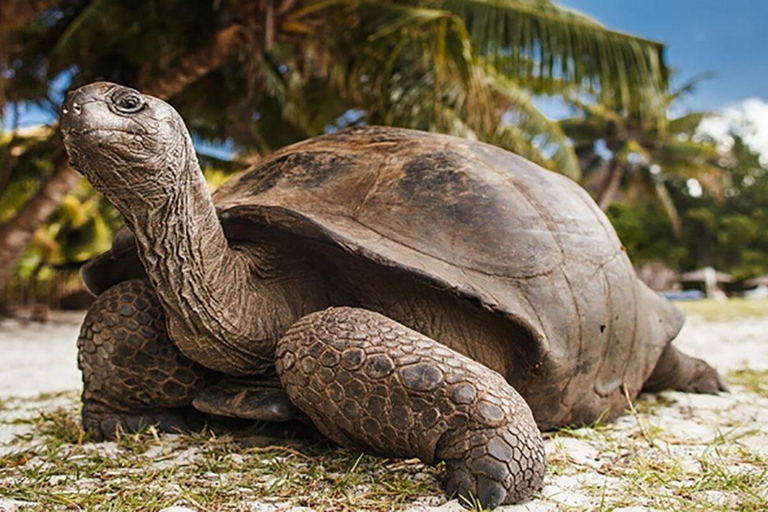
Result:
x=16 y=234
x=610 y=185
x=197 y=64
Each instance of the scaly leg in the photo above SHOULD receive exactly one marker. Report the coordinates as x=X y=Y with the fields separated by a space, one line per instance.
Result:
x=680 y=372
x=133 y=375
x=370 y=383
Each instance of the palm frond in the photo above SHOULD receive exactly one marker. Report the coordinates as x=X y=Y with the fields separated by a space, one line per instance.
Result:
x=544 y=134
x=547 y=45
x=689 y=86
x=662 y=194
x=418 y=70
x=584 y=130
x=687 y=124
x=514 y=139
x=687 y=151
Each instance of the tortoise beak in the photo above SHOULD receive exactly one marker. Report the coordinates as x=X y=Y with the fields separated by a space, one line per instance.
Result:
x=83 y=107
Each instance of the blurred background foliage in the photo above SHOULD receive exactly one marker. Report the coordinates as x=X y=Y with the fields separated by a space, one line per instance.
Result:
x=722 y=227
x=250 y=76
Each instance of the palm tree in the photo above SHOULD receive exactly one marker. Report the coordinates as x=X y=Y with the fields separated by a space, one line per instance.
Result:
x=265 y=73
x=15 y=14
x=642 y=153
x=17 y=232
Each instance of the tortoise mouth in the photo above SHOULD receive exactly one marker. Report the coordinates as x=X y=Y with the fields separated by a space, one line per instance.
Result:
x=73 y=133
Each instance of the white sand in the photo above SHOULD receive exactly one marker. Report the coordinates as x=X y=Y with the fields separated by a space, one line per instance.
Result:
x=41 y=358
x=727 y=346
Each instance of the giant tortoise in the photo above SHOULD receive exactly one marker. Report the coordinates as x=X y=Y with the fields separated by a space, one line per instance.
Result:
x=411 y=294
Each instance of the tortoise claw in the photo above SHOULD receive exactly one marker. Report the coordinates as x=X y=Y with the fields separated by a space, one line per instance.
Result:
x=502 y=470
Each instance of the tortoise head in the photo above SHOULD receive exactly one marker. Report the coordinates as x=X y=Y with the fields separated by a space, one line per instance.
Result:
x=130 y=146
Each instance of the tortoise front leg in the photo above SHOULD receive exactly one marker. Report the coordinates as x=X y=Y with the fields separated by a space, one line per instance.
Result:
x=133 y=375
x=370 y=383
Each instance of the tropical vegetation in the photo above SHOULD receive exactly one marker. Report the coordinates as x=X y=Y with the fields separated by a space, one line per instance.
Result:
x=674 y=195
x=256 y=75
x=723 y=228
x=252 y=76
x=625 y=152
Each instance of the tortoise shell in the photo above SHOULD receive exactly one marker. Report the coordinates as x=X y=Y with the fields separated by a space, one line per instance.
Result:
x=478 y=222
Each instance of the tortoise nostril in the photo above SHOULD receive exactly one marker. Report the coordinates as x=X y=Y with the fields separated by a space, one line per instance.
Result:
x=74 y=108
x=71 y=104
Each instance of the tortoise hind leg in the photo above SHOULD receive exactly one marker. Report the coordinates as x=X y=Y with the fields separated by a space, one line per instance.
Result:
x=370 y=383
x=681 y=372
x=133 y=375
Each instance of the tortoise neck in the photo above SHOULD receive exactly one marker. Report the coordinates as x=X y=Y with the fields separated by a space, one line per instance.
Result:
x=199 y=279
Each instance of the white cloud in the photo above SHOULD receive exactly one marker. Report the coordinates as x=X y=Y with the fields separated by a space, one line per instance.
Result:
x=748 y=119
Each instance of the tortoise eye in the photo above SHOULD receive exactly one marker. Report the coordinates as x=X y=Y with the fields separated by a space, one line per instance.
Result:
x=129 y=102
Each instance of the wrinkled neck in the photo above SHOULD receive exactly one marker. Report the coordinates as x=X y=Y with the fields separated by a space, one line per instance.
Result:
x=183 y=247
x=191 y=266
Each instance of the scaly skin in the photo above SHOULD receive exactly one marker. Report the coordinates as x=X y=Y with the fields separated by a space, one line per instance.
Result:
x=133 y=375
x=370 y=383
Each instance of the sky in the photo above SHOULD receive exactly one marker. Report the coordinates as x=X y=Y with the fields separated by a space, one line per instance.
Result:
x=729 y=38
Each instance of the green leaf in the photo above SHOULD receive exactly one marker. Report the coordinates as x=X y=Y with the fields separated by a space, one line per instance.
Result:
x=542 y=44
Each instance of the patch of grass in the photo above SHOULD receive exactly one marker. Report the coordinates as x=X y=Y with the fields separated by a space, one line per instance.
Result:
x=630 y=463
x=473 y=504
x=583 y=431
x=754 y=381
x=651 y=403
x=712 y=310
x=60 y=427
x=13 y=459
x=138 y=442
x=635 y=464
x=661 y=483
x=731 y=436
x=57 y=468
x=47 y=396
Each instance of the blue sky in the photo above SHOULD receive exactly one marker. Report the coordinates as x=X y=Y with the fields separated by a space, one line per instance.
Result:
x=727 y=37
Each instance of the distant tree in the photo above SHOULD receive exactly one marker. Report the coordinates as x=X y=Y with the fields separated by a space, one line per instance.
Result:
x=647 y=235
x=641 y=153
x=724 y=229
x=728 y=231
x=261 y=74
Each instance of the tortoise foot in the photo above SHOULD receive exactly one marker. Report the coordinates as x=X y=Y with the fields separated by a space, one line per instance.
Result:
x=681 y=372
x=235 y=398
x=103 y=423
x=370 y=383
x=703 y=379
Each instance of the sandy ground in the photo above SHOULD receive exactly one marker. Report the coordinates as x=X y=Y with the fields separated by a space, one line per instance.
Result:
x=621 y=466
x=39 y=357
